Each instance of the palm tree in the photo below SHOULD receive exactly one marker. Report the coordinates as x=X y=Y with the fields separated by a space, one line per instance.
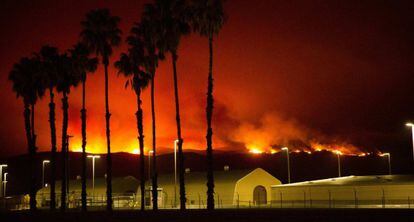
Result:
x=27 y=83
x=173 y=14
x=207 y=20
x=67 y=78
x=130 y=66
x=49 y=56
x=149 y=29
x=100 y=33
x=83 y=64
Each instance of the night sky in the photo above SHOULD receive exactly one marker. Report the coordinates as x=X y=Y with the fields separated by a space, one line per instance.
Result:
x=319 y=72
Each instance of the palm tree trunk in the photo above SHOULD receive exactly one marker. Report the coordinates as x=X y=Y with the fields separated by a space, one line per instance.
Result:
x=209 y=112
x=154 y=156
x=33 y=126
x=83 y=117
x=108 y=142
x=180 y=139
x=139 y=115
x=28 y=120
x=53 y=154
x=27 y=126
x=32 y=193
x=65 y=107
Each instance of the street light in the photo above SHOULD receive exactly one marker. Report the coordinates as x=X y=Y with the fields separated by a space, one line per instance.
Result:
x=288 y=162
x=93 y=157
x=43 y=171
x=5 y=184
x=1 y=177
x=338 y=154
x=412 y=132
x=175 y=171
x=388 y=155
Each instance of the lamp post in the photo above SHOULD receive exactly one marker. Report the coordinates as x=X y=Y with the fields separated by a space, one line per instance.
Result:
x=388 y=155
x=5 y=184
x=175 y=171
x=338 y=154
x=288 y=162
x=1 y=177
x=93 y=157
x=43 y=171
x=411 y=125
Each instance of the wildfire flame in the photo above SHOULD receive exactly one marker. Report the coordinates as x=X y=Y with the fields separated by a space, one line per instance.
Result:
x=273 y=131
x=98 y=146
x=136 y=151
x=255 y=151
x=340 y=149
x=267 y=136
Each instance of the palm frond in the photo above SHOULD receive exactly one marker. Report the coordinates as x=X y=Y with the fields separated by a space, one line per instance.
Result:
x=100 y=32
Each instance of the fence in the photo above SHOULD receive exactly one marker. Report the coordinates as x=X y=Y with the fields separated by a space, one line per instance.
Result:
x=21 y=202
x=198 y=201
x=385 y=196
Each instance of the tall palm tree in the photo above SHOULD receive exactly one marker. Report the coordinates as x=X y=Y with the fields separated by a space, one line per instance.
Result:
x=149 y=29
x=173 y=17
x=49 y=56
x=207 y=20
x=83 y=65
x=100 y=33
x=27 y=83
x=66 y=79
x=130 y=66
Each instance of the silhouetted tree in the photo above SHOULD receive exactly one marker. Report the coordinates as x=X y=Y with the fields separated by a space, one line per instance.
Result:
x=130 y=65
x=83 y=65
x=174 y=23
x=49 y=57
x=207 y=19
x=27 y=83
x=67 y=78
x=150 y=29
x=100 y=33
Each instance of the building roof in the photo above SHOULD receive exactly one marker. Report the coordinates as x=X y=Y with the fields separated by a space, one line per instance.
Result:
x=230 y=176
x=119 y=185
x=356 y=181
x=225 y=184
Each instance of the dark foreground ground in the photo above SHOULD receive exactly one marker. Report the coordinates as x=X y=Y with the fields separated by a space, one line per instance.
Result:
x=282 y=215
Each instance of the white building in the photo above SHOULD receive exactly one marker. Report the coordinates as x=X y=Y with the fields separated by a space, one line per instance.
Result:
x=232 y=188
x=350 y=191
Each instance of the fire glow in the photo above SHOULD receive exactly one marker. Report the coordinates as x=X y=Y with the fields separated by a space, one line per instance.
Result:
x=273 y=131
x=265 y=137
x=98 y=147
x=348 y=150
x=256 y=151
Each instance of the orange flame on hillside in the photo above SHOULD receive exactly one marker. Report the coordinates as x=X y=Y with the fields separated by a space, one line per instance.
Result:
x=274 y=132
x=98 y=146
x=267 y=136
x=341 y=149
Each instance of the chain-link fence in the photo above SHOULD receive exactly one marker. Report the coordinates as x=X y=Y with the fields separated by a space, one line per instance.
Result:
x=199 y=201
x=21 y=202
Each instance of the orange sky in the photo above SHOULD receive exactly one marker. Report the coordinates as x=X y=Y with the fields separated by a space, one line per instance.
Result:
x=325 y=72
